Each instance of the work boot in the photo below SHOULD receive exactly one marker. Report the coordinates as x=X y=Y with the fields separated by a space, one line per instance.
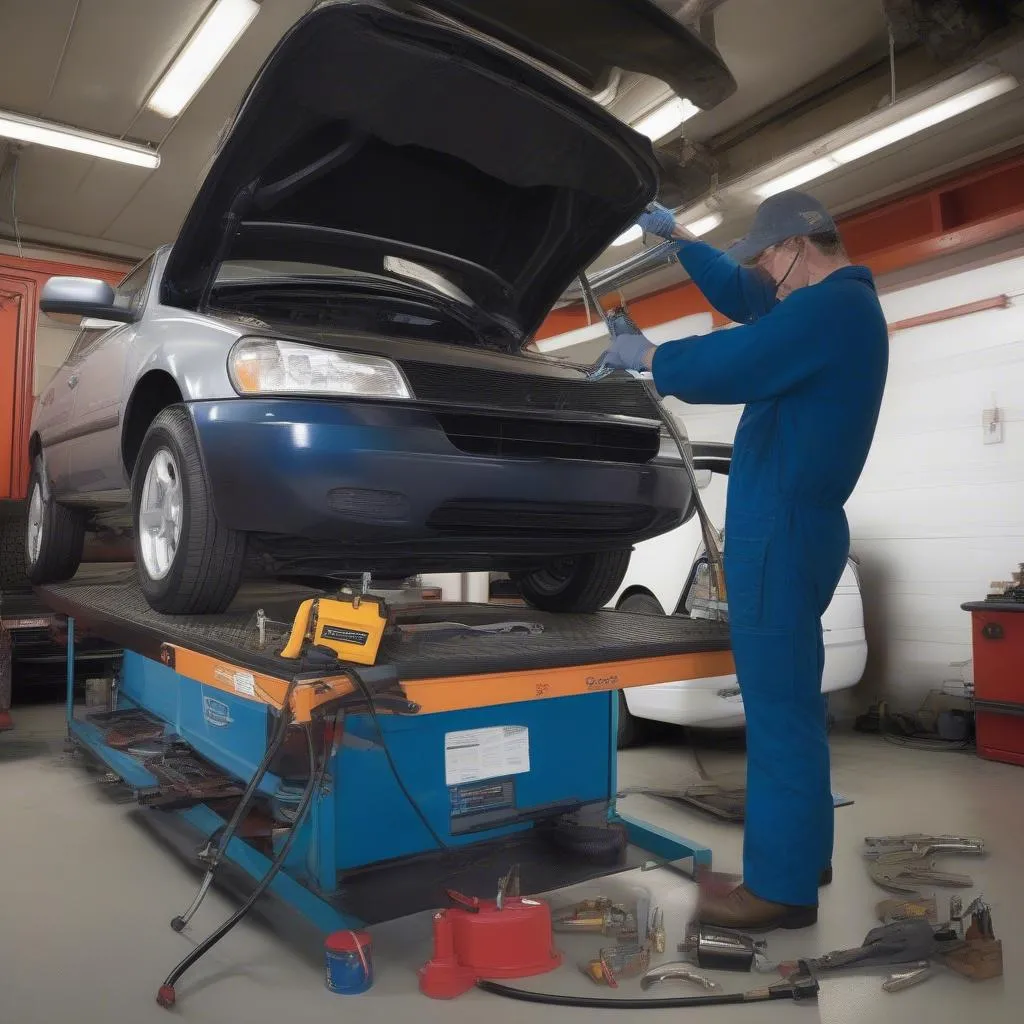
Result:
x=743 y=911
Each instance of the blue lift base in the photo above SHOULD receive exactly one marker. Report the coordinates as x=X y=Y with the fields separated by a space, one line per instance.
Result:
x=316 y=882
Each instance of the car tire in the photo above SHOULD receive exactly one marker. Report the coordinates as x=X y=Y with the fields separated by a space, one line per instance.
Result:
x=632 y=731
x=641 y=603
x=13 y=538
x=578 y=583
x=54 y=534
x=188 y=563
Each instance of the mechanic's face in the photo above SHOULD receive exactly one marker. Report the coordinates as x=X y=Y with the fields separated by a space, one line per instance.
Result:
x=783 y=264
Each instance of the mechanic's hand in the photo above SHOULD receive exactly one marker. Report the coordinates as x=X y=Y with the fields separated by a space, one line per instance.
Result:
x=629 y=349
x=657 y=220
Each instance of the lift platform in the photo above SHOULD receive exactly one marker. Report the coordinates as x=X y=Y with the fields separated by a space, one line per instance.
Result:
x=459 y=754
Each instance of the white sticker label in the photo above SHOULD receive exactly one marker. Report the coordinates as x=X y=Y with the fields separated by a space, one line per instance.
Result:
x=243 y=682
x=477 y=754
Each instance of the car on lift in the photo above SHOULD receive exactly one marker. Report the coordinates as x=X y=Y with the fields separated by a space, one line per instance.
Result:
x=668 y=575
x=325 y=374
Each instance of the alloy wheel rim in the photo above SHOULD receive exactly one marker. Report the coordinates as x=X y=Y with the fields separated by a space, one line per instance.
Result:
x=160 y=515
x=35 y=523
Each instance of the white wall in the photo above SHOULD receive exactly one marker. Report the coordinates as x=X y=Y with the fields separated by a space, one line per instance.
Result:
x=937 y=515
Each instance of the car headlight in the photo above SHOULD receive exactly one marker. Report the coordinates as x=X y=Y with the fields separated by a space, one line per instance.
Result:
x=264 y=366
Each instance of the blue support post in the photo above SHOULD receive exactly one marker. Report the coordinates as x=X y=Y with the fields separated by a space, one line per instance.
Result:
x=665 y=845
x=70 y=713
x=255 y=865
x=324 y=869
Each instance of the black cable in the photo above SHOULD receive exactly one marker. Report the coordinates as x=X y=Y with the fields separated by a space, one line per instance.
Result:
x=166 y=995
x=276 y=741
x=441 y=844
x=610 y=1003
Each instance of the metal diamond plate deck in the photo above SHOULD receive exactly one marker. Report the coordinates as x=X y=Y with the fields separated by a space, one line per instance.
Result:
x=115 y=608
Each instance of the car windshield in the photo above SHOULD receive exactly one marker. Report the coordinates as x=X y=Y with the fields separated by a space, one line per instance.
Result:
x=390 y=269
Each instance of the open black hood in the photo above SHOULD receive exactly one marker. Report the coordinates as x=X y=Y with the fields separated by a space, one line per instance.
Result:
x=374 y=138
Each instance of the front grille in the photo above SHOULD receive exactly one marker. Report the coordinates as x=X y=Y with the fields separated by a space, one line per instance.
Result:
x=550 y=518
x=496 y=389
x=513 y=437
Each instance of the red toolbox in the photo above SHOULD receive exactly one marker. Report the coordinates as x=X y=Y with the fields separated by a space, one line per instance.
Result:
x=998 y=637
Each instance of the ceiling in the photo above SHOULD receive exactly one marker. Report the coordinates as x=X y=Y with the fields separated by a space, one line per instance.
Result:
x=91 y=64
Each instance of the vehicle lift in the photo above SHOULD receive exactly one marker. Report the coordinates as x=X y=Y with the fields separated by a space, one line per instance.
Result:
x=483 y=737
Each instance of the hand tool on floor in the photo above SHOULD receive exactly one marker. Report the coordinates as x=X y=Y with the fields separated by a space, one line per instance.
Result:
x=677 y=971
x=722 y=949
x=896 y=909
x=912 y=975
x=711 y=536
x=446 y=630
x=906 y=872
x=598 y=916
x=922 y=845
x=614 y=963
x=658 y=936
x=973 y=952
x=902 y=942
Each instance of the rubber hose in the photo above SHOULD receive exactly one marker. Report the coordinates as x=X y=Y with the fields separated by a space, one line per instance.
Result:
x=166 y=995
x=610 y=1003
x=275 y=744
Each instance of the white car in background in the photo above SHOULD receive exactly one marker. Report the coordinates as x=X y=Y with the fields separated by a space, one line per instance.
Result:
x=661 y=579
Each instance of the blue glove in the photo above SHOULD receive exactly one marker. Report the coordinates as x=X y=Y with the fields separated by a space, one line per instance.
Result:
x=657 y=220
x=629 y=348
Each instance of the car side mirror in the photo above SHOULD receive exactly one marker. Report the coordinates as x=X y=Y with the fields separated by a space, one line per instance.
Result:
x=702 y=477
x=83 y=297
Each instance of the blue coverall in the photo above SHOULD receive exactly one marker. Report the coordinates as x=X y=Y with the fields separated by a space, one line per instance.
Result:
x=810 y=370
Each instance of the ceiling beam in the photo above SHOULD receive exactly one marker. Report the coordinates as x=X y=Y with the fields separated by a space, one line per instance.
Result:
x=971 y=209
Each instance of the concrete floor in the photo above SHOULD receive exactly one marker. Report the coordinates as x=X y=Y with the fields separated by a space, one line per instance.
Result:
x=87 y=890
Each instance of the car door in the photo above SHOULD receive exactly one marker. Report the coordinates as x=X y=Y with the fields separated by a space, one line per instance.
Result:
x=54 y=409
x=94 y=455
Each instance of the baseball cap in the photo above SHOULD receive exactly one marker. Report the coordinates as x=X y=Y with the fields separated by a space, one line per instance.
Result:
x=785 y=215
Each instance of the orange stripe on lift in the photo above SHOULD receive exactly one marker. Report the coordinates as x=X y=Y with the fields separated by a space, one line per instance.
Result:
x=255 y=686
x=455 y=693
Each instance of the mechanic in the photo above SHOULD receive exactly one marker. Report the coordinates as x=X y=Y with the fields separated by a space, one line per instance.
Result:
x=809 y=362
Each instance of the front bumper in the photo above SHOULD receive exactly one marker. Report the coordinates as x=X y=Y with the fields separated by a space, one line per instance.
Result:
x=375 y=478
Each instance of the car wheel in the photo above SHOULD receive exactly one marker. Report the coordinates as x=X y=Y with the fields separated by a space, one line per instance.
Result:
x=632 y=731
x=188 y=563
x=54 y=534
x=642 y=604
x=578 y=583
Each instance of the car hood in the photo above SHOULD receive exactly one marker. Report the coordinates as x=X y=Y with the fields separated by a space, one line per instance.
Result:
x=396 y=141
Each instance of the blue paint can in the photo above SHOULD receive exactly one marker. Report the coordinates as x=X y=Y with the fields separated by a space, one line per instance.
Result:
x=349 y=962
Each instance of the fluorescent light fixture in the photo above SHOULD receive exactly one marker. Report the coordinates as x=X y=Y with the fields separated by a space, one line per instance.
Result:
x=634 y=234
x=837 y=155
x=665 y=118
x=705 y=224
x=798 y=176
x=928 y=117
x=219 y=30
x=74 y=140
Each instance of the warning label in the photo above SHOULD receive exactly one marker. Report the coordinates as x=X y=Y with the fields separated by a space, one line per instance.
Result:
x=476 y=754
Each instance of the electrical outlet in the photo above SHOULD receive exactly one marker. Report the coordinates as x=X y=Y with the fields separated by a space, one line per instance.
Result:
x=992 y=426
